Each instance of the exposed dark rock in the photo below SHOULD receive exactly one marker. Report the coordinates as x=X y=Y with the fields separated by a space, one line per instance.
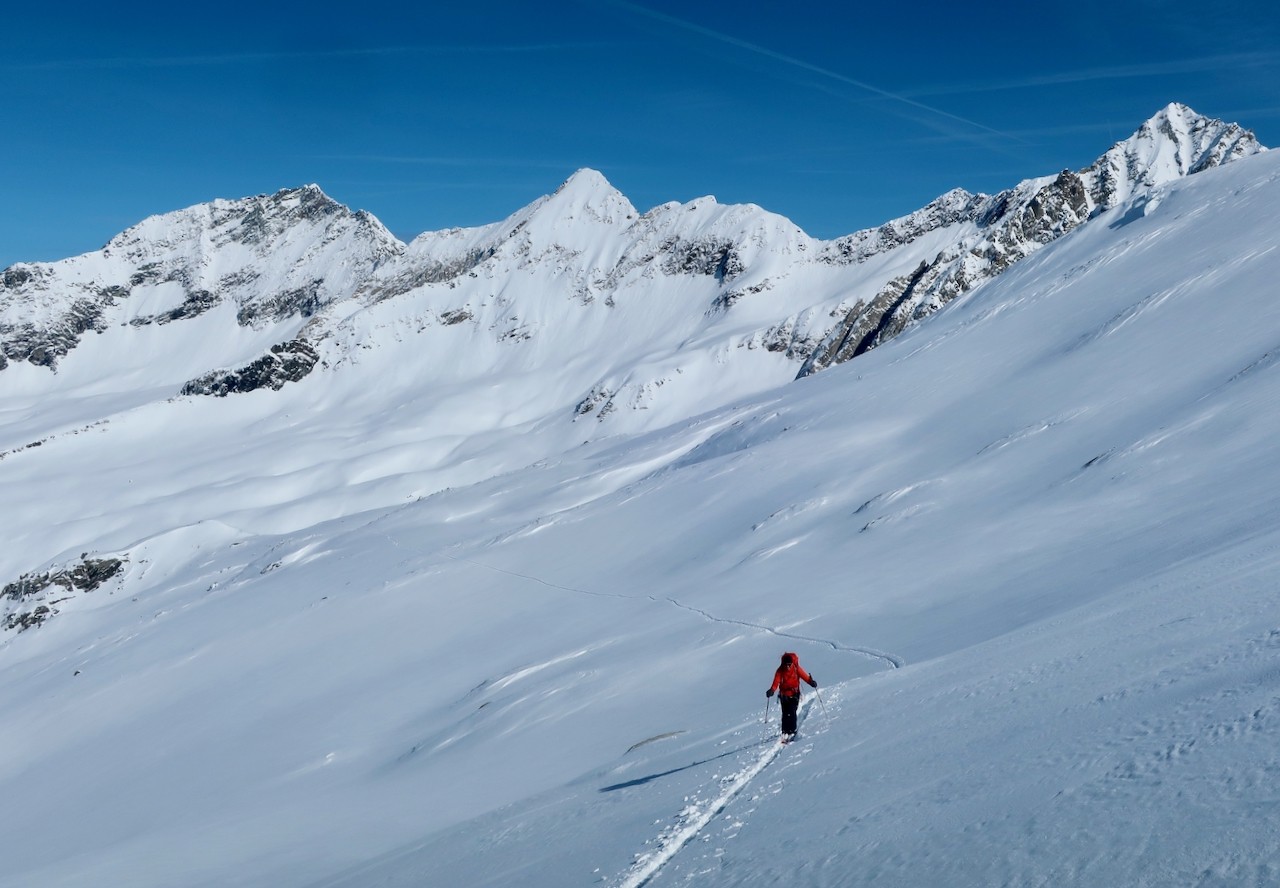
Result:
x=184 y=248
x=301 y=302
x=286 y=362
x=86 y=576
x=865 y=326
x=594 y=399
x=784 y=338
x=15 y=276
x=727 y=299
x=1014 y=224
x=950 y=209
x=196 y=303
x=267 y=216
x=238 y=279
x=43 y=346
x=710 y=257
x=27 y=619
x=146 y=274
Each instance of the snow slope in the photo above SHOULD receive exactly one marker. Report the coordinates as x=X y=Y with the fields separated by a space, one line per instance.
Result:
x=389 y=630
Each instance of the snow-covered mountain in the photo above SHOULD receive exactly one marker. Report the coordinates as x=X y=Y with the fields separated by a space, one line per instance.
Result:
x=669 y=312
x=261 y=262
x=477 y=578
x=1008 y=227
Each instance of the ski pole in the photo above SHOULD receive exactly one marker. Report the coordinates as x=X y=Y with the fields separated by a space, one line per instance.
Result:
x=766 y=710
x=823 y=705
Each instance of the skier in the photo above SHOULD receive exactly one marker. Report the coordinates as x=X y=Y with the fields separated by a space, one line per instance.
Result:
x=786 y=681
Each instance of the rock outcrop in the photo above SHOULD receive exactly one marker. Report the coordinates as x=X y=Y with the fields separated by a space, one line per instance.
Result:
x=48 y=590
x=286 y=362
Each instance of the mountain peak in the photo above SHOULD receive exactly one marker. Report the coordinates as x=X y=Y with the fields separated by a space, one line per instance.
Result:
x=1176 y=141
x=1176 y=111
x=588 y=194
x=586 y=179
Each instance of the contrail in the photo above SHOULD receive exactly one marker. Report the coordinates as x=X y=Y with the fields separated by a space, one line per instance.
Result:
x=804 y=66
x=1115 y=72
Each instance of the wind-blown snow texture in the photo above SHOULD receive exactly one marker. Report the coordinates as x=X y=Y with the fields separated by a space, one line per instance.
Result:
x=408 y=619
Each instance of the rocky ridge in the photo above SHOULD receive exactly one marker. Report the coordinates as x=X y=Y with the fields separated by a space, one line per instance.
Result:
x=273 y=258
x=1015 y=223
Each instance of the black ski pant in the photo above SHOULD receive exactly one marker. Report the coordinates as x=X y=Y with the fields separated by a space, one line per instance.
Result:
x=790 y=704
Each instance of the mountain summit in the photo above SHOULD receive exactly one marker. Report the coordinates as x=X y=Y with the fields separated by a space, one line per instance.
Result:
x=261 y=263
x=1175 y=142
x=588 y=194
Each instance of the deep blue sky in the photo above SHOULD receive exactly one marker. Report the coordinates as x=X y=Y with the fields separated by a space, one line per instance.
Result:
x=837 y=115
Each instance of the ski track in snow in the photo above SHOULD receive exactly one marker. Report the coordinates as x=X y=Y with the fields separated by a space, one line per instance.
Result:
x=893 y=660
x=692 y=820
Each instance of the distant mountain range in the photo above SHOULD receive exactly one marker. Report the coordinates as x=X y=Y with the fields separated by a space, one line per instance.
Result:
x=617 y=305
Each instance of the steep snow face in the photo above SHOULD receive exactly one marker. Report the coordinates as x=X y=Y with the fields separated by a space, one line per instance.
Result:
x=1028 y=549
x=580 y=227
x=585 y=201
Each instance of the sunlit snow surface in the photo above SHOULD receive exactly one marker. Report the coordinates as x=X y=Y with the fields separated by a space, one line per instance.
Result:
x=1029 y=550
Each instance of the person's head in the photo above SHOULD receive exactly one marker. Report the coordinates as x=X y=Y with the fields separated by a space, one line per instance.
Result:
x=788 y=659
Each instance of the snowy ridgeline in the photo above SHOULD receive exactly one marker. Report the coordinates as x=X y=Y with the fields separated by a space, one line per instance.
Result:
x=627 y=320
x=408 y=623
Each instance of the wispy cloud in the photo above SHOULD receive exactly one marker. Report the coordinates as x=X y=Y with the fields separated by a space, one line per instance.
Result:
x=921 y=112
x=240 y=58
x=1234 y=62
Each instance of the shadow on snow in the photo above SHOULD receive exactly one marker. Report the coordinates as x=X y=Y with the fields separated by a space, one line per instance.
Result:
x=640 y=781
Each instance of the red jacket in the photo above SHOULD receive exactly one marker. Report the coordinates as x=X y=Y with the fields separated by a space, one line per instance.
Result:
x=786 y=681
